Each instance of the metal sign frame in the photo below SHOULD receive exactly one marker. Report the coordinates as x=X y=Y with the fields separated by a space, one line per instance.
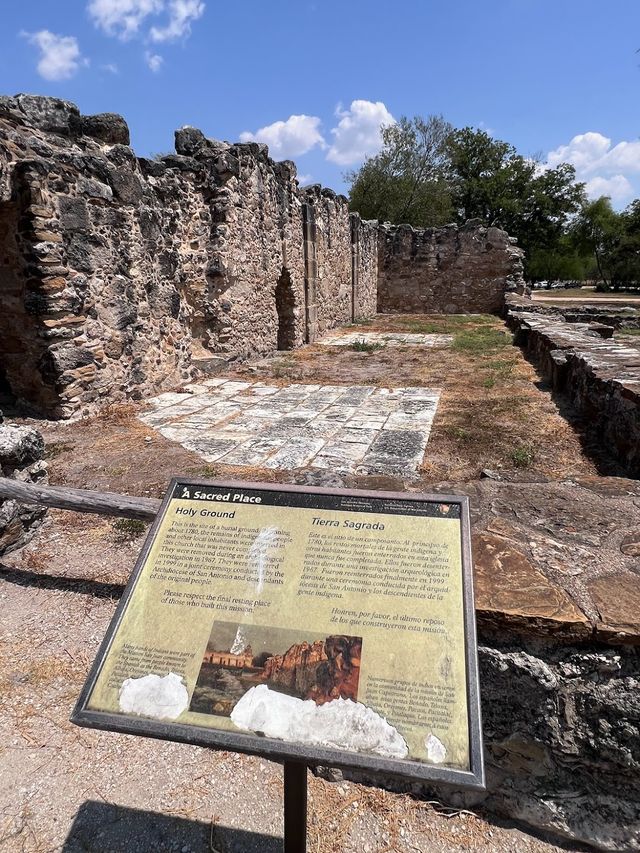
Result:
x=280 y=750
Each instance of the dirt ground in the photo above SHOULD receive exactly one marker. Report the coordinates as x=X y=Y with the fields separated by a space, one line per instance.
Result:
x=489 y=391
x=68 y=789
x=587 y=296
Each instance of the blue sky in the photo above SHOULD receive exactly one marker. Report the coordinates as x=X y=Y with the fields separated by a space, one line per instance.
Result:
x=316 y=78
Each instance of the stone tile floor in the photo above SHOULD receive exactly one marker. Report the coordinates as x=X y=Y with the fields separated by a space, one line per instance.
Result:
x=396 y=339
x=360 y=429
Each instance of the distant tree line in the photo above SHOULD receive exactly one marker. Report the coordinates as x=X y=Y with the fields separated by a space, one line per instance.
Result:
x=429 y=173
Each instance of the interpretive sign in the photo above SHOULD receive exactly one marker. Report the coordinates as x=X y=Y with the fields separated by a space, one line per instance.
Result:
x=323 y=626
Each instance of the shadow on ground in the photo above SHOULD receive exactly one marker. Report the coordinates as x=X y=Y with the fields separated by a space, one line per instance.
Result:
x=24 y=577
x=109 y=828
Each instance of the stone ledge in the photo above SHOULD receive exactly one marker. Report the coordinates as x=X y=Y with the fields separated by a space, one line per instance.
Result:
x=557 y=560
x=601 y=377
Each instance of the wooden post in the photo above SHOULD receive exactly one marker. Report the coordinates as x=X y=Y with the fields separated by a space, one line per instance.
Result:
x=295 y=807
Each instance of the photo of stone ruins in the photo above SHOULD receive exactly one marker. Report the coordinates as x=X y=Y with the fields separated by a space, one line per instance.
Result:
x=237 y=659
x=202 y=314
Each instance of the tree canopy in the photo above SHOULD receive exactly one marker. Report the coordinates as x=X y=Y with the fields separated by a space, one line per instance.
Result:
x=428 y=174
x=407 y=180
x=611 y=240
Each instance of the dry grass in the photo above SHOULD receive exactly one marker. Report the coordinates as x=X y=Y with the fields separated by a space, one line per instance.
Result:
x=337 y=812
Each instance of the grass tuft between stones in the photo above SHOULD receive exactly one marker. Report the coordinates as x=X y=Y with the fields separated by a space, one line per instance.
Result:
x=363 y=346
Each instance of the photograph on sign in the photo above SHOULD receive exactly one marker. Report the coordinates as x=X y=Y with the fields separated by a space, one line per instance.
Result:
x=325 y=625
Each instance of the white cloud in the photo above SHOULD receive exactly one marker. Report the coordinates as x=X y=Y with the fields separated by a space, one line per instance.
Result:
x=126 y=18
x=181 y=14
x=604 y=167
x=123 y=18
x=154 y=61
x=290 y=138
x=358 y=133
x=60 y=56
x=111 y=67
x=618 y=188
x=305 y=180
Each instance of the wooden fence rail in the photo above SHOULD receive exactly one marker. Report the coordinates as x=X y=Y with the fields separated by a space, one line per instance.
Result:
x=80 y=500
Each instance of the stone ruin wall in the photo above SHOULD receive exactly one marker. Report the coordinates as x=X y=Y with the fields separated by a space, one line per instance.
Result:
x=330 y=289
x=600 y=377
x=119 y=275
x=365 y=241
x=450 y=270
x=251 y=262
x=94 y=313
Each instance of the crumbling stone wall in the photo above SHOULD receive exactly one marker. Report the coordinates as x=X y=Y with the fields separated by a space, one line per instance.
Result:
x=250 y=245
x=118 y=274
x=600 y=377
x=364 y=241
x=329 y=219
x=94 y=314
x=448 y=270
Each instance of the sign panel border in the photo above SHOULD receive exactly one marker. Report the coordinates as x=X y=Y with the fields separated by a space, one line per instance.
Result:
x=280 y=750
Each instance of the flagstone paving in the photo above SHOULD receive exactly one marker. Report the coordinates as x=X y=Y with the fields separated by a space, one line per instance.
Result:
x=397 y=339
x=360 y=428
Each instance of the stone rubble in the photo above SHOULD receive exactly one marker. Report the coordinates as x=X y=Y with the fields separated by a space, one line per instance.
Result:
x=21 y=458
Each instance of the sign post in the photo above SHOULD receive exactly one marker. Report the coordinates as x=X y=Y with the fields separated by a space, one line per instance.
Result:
x=295 y=807
x=310 y=626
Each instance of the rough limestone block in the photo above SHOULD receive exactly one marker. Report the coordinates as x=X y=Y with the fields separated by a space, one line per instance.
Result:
x=21 y=458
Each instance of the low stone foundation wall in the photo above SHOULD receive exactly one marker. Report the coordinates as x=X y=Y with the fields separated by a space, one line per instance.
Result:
x=450 y=270
x=600 y=377
x=618 y=317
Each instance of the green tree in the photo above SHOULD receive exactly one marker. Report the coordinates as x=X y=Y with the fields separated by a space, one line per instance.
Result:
x=596 y=231
x=407 y=181
x=428 y=174
x=625 y=259
x=492 y=182
x=563 y=261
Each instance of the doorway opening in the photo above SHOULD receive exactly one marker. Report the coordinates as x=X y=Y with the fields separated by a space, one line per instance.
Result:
x=285 y=305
